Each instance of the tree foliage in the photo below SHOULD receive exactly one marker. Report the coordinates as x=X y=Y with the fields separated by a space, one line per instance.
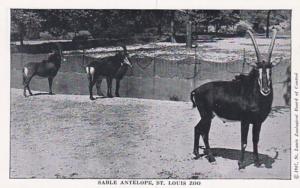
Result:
x=125 y=23
x=25 y=22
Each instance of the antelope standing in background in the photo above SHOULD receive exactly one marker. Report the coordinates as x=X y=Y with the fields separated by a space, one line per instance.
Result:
x=45 y=69
x=109 y=67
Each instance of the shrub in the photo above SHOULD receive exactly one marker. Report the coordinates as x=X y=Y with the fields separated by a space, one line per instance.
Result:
x=82 y=36
x=241 y=27
x=174 y=98
x=46 y=35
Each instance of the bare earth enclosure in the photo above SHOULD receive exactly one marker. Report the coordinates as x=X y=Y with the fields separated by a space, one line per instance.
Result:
x=133 y=138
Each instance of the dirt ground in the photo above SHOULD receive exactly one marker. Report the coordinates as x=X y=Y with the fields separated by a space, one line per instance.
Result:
x=69 y=136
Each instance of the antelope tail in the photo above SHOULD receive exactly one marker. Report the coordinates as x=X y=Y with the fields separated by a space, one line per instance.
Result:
x=192 y=98
x=24 y=73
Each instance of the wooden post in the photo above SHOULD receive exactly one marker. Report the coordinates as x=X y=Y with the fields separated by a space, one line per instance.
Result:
x=83 y=54
x=189 y=34
x=22 y=58
x=173 y=40
x=244 y=60
x=154 y=76
x=195 y=68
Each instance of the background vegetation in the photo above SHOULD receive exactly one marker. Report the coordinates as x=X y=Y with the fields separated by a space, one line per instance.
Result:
x=29 y=24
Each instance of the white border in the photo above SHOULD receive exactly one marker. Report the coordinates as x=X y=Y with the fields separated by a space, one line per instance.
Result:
x=128 y=4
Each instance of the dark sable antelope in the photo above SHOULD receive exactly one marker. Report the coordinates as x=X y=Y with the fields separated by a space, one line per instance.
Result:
x=45 y=69
x=248 y=99
x=110 y=67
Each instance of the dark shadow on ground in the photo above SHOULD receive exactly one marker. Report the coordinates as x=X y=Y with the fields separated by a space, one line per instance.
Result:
x=36 y=94
x=233 y=154
x=100 y=97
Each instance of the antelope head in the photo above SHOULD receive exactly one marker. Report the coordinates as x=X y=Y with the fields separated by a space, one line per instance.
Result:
x=264 y=65
x=58 y=51
x=126 y=59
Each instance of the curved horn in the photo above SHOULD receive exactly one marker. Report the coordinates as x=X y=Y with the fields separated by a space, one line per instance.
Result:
x=255 y=46
x=272 y=45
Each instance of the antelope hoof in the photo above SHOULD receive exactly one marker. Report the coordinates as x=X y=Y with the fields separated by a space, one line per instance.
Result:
x=117 y=95
x=241 y=164
x=211 y=158
x=51 y=93
x=196 y=153
x=92 y=98
x=257 y=163
x=100 y=94
x=110 y=96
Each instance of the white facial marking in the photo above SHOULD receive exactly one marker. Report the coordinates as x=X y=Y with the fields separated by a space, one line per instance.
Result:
x=126 y=61
x=260 y=76
x=268 y=75
x=260 y=73
x=264 y=94
x=268 y=72
x=26 y=71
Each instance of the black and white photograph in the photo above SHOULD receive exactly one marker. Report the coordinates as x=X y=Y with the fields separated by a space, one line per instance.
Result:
x=151 y=94
x=123 y=90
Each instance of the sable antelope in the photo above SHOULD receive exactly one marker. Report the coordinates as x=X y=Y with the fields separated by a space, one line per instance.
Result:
x=248 y=99
x=109 y=67
x=45 y=69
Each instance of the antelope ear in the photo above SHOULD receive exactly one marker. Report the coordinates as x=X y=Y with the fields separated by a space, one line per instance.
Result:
x=251 y=63
x=276 y=61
